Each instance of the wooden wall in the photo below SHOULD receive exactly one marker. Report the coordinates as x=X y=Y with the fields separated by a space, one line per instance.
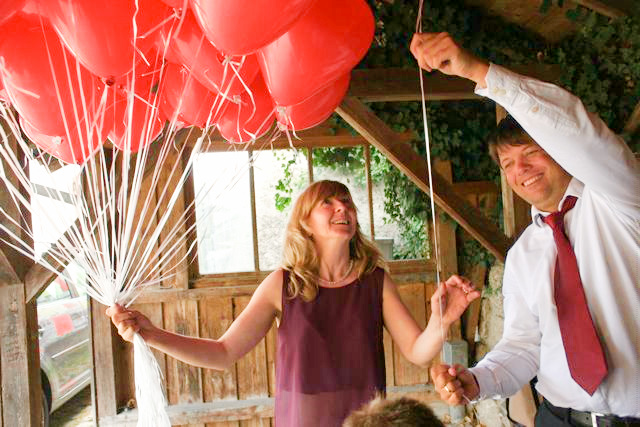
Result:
x=243 y=395
x=240 y=391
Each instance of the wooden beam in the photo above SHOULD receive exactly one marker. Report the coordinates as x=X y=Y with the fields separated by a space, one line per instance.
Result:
x=242 y=284
x=634 y=120
x=610 y=8
x=18 y=213
x=515 y=211
x=405 y=158
x=398 y=84
x=19 y=356
x=104 y=362
x=325 y=135
x=236 y=410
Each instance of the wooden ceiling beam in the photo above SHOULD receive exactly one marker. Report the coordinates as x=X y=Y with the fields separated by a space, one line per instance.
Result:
x=405 y=158
x=611 y=8
x=634 y=120
x=399 y=84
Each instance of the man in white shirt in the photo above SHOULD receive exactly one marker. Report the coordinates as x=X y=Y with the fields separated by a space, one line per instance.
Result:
x=561 y=152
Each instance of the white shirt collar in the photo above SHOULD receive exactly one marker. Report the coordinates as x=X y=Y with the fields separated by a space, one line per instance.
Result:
x=574 y=188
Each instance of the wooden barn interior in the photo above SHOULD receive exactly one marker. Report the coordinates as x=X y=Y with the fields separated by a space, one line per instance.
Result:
x=205 y=305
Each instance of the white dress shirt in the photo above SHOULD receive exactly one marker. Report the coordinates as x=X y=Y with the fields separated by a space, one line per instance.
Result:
x=604 y=230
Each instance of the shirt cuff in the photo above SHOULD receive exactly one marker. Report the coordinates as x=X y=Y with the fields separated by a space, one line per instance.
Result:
x=503 y=85
x=487 y=383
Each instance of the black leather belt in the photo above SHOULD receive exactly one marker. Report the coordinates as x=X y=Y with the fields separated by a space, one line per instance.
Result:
x=591 y=419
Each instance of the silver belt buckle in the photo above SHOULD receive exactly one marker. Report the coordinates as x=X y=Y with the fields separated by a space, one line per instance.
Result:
x=594 y=418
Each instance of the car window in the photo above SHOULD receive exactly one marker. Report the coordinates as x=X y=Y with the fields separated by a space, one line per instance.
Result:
x=57 y=290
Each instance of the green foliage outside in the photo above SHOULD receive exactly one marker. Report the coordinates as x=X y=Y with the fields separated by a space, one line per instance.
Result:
x=601 y=65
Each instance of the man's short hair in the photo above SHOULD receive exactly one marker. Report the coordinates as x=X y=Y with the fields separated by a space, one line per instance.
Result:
x=508 y=132
x=402 y=411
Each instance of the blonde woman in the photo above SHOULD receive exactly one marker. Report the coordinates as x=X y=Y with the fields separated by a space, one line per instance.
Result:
x=330 y=299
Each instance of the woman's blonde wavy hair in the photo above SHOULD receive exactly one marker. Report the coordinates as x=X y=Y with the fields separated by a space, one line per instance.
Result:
x=300 y=257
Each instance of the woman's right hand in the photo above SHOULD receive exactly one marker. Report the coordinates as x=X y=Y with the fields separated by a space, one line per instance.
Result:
x=129 y=321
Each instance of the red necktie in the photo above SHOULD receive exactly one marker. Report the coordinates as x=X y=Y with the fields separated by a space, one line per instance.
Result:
x=582 y=346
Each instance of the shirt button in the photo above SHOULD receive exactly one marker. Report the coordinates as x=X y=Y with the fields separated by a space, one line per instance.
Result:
x=535 y=109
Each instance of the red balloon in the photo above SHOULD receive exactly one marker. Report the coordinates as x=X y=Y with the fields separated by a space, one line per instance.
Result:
x=240 y=27
x=323 y=45
x=8 y=8
x=135 y=121
x=316 y=109
x=190 y=47
x=249 y=119
x=182 y=98
x=71 y=147
x=43 y=80
x=3 y=93
x=178 y=4
x=101 y=35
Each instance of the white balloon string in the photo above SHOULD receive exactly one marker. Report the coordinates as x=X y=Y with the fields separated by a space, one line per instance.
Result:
x=436 y=245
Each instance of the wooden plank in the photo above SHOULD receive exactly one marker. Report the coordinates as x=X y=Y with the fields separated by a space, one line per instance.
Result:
x=253 y=381
x=367 y=168
x=405 y=372
x=609 y=8
x=103 y=361
x=124 y=356
x=252 y=368
x=19 y=357
x=244 y=284
x=184 y=382
x=272 y=345
x=145 y=215
x=429 y=290
x=190 y=219
x=216 y=315
x=261 y=408
x=446 y=234
x=310 y=164
x=20 y=263
x=208 y=412
x=405 y=158
x=254 y=220
x=178 y=264
x=471 y=317
x=475 y=187
x=634 y=120
x=155 y=314
x=515 y=211
x=400 y=84
x=389 y=358
x=396 y=84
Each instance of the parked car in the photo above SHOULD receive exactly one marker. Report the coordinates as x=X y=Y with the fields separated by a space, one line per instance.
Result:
x=65 y=348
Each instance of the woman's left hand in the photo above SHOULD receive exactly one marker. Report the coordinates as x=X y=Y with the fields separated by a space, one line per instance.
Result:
x=452 y=297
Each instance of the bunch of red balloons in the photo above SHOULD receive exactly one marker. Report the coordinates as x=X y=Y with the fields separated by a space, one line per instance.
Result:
x=79 y=72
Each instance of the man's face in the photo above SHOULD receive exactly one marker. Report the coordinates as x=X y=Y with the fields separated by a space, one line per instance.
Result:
x=533 y=174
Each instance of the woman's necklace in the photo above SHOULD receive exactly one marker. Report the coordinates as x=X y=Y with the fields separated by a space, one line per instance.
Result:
x=330 y=283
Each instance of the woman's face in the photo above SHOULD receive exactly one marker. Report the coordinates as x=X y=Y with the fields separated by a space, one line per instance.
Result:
x=333 y=218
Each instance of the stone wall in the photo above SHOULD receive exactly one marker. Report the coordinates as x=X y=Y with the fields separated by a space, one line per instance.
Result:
x=491 y=413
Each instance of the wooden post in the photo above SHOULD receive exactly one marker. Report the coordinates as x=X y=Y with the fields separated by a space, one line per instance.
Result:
x=367 y=167
x=254 y=217
x=515 y=211
x=103 y=335
x=310 y=163
x=447 y=249
x=21 y=397
x=19 y=356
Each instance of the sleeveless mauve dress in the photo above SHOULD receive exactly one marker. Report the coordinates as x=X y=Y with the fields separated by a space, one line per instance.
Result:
x=330 y=357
